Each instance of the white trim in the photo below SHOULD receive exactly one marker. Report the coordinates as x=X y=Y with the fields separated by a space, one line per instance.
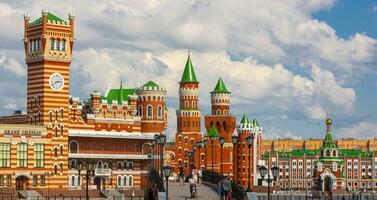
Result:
x=108 y=156
x=111 y=134
x=69 y=146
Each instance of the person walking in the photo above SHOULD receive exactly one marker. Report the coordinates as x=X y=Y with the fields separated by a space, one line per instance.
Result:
x=193 y=190
x=181 y=177
x=200 y=175
x=226 y=188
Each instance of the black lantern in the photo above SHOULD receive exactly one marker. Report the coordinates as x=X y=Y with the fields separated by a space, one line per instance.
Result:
x=162 y=139
x=262 y=171
x=250 y=140
x=274 y=171
x=221 y=141
x=234 y=139
x=205 y=142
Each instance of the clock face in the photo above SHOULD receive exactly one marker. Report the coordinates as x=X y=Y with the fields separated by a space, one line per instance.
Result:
x=56 y=82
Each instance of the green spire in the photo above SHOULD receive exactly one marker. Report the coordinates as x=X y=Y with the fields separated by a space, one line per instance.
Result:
x=189 y=73
x=244 y=120
x=220 y=87
x=255 y=123
x=212 y=132
x=121 y=89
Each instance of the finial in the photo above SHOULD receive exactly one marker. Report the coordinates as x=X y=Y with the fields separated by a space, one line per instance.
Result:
x=328 y=119
x=26 y=16
x=44 y=11
x=189 y=52
x=121 y=82
x=71 y=14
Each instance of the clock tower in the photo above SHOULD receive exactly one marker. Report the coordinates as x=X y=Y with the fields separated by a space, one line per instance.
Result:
x=48 y=43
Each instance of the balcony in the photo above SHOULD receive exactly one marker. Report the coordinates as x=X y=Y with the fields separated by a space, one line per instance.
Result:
x=102 y=172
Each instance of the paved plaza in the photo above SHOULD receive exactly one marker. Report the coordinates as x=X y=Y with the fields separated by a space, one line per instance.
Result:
x=183 y=192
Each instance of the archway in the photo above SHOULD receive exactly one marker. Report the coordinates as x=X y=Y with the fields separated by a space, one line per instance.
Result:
x=327 y=184
x=22 y=183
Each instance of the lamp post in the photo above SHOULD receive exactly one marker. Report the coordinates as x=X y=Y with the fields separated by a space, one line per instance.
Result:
x=157 y=141
x=205 y=155
x=234 y=141
x=151 y=147
x=212 y=138
x=221 y=142
x=191 y=154
x=263 y=171
x=198 y=146
x=161 y=141
x=89 y=168
x=167 y=174
x=249 y=142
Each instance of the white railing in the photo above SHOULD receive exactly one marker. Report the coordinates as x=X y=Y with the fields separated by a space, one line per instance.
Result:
x=102 y=172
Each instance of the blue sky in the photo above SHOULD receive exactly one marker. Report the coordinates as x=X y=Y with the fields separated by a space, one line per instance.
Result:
x=284 y=62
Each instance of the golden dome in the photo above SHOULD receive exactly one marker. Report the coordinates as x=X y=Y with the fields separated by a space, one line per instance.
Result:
x=328 y=121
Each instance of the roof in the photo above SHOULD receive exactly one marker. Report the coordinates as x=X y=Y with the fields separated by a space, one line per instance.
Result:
x=220 y=87
x=329 y=141
x=50 y=17
x=212 y=132
x=245 y=120
x=255 y=123
x=188 y=75
x=151 y=84
x=119 y=95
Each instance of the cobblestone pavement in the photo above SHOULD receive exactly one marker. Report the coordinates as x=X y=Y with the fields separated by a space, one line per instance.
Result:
x=183 y=192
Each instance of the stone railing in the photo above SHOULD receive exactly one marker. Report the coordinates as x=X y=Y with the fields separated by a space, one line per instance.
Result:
x=102 y=172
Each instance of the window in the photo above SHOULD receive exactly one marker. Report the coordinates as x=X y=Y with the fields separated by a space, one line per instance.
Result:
x=39 y=155
x=52 y=43
x=73 y=147
x=61 y=150
x=119 y=181
x=38 y=44
x=61 y=114
x=179 y=138
x=50 y=116
x=61 y=168
x=58 y=44
x=73 y=164
x=63 y=45
x=139 y=111
x=56 y=115
x=55 y=169
x=327 y=152
x=22 y=155
x=4 y=154
x=61 y=130
x=124 y=180
x=218 y=125
x=55 y=152
x=186 y=140
x=150 y=113
x=130 y=181
x=30 y=46
x=35 y=180
x=1 y=180
x=73 y=179
x=159 y=111
x=9 y=180
x=56 y=131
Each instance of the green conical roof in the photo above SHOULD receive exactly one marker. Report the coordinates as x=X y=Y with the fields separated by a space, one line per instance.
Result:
x=50 y=17
x=255 y=123
x=220 y=87
x=189 y=73
x=212 y=132
x=244 y=120
x=150 y=84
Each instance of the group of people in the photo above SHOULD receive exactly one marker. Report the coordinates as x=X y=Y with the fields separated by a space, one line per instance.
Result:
x=225 y=189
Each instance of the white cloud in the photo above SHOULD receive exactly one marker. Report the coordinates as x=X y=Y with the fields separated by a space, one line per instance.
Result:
x=365 y=130
x=274 y=133
x=12 y=65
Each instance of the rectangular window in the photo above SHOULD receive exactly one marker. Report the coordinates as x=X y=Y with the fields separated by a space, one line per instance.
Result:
x=1 y=180
x=39 y=155
x=4 y=154
x=22 y=155
x=9 y=180
x=35 y=180
x=42 y=181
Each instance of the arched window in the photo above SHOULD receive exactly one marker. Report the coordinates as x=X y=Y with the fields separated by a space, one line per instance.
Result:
x=56 y=131
x=73 y=147
x=186 y=140
x=61 y=113
x=55 y=169
x=186 y=152
x=139 y=111
x=192 y=141
x=105 y=166
x=61 y=129
x=225 y=112
x=99 y=164
x=150 y=112
x=56 y=115
x=159 y=111
x=50 y=116
x=218 y=112
x=180 y=138
x=130 y=181
x=73 y=180
x=39 y=117
x=224 y=126
x=110 y=164
x=124 y=180
x=218 y=125
x=56 y=152
x=180 y=150
x=328 y=153
x=73 y=164
x=334 y=153
x=203 y=156
x=58 y=44
x=119 y=181
x=61 y=150
x=63 y=45
x=52 y=44
x=61 y=168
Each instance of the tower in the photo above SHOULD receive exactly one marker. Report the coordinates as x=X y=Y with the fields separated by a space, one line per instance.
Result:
x=188 y=115
x=151 y=107
x=48 y=43
x=220 y=97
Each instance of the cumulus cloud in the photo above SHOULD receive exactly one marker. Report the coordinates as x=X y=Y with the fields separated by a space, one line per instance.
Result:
x=12 y=65
x=274 y=133
x=365 y=130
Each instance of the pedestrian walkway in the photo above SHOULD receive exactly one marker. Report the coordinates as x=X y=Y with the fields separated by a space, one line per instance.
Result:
x=183 y=192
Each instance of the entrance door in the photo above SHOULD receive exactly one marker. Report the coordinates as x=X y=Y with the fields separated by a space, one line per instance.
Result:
x=22 y=183
x=100 y=183
x=327 y=183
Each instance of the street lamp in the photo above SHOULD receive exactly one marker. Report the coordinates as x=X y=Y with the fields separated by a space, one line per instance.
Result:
x=191 y=154
x=249 y=142
x=221 y=142
x=157 y=141
x=263 y=171
x=198 y=146
x=205 y=146
x=234 y=141
x=89 y=168
x=212 y=138
x=167 y=174
x=161 y=140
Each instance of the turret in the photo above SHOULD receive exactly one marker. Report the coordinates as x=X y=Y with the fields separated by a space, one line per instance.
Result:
x=95 y=101
x=151 y=105
x=220 y=99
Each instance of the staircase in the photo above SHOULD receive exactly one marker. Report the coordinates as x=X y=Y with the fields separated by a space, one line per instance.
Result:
x=29 y=194
x=112 y=194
